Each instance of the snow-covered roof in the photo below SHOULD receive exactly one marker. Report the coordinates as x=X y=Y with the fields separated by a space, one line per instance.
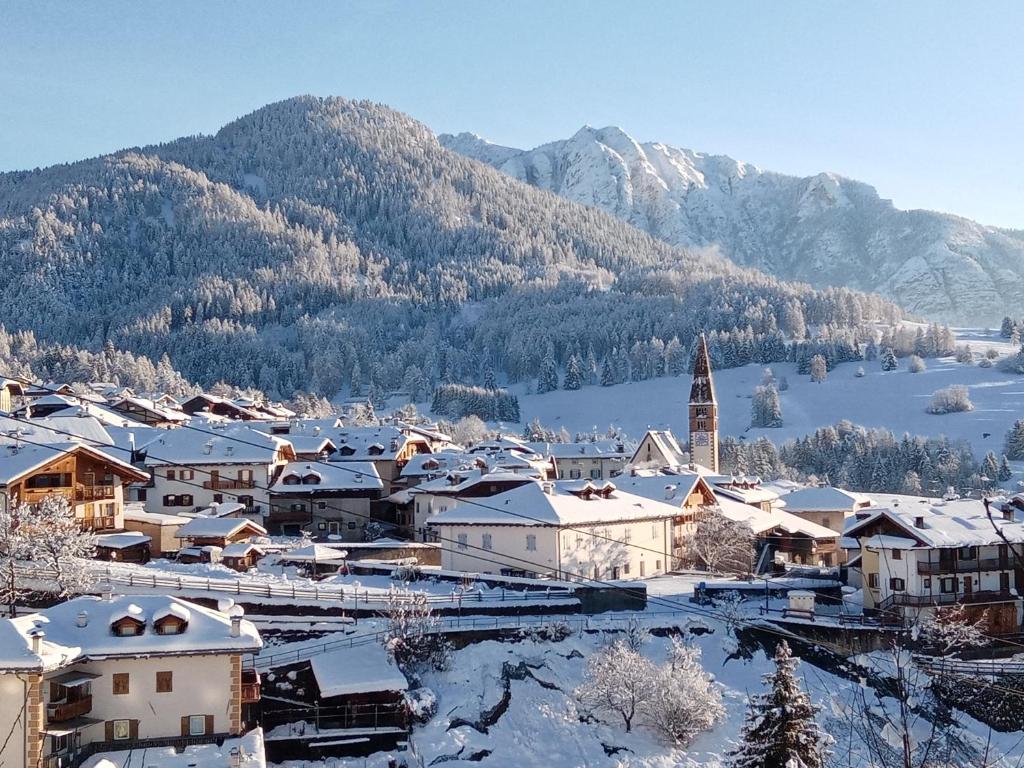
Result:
x=248 y=749
x=669 y=488
x=66 y=642
x=666 y=444
x=120 y=540
x=217 y=527
x=426 y=464
x=17 y=461
x=240 y=549
x=761 y=521
x=147 y=404
x=460 y=481
x=824 y=499
x=341 y=476
x=319 y=553
x=944 y=524
x=221 y=509
x=52 y=430
x=500 y=443
x=136 y=514
x=884 y=541
x=382 y=443
x=598 y=449
x=555 y=503
x=231 y=444
x=359 y=669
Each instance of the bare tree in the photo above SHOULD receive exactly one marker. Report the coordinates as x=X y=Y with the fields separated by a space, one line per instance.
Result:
x=685 y=700
x=413 y=636
x=952 y=629
x=618 y=681
x=723 y=545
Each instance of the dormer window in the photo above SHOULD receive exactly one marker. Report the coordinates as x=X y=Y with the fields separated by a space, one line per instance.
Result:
x=172 y=620
x=311 y=479
x=292 y=480
x=346 y=450
x=128 y=626
x=376 y=449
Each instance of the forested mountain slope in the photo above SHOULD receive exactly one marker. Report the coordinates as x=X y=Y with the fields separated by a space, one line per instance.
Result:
x=319 y=241
x=824 y=229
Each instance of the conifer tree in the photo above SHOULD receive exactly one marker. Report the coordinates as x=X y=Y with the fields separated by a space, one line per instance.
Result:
x=607 y=372
x=780 y=731
x=1005 y=473
x=1015 y=442
x=889 y=361
x=819 y=369
x=547 y=379
x=573 y=374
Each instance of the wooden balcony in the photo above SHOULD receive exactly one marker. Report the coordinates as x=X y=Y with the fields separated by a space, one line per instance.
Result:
x=99 y=522
x=250 y=686
x=225 y=484
x=946 y=598
x=68 y=710
x=964 y=566
x=285 y=515
x=94 y=493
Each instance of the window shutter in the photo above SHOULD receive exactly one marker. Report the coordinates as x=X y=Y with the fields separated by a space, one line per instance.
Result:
x=133 y=729
x=209 y=724
x=184 y=725
x=108 y=730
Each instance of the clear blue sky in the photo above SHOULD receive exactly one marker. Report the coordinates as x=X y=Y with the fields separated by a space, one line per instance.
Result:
x=924 y=100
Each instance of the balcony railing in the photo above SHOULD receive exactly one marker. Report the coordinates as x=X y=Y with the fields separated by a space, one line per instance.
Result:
x=68 y=710
x=946 y=598
x=250 y=686
x=99 y=522
x=279 y=515
x=964 y=566
x=94 y=492
x=225 y=484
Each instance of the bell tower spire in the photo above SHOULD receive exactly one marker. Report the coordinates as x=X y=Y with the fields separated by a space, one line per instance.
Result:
x=703 y=411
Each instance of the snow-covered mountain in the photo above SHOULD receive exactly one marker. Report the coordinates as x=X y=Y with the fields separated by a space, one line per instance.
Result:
x=825 y=229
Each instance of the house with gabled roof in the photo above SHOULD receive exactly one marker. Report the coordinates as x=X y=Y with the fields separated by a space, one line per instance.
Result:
x=324 y=498
x=98 y=674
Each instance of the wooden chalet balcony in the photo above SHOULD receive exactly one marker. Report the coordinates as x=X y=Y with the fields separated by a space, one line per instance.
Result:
x=225 y=484
x=94 y=493
x=99 y=522
x=68 y=710
x=964 y=566
x=285 y=515
x=946 y=598
x=250 y=686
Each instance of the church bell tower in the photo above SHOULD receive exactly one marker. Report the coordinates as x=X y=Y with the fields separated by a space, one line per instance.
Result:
x=703 y=411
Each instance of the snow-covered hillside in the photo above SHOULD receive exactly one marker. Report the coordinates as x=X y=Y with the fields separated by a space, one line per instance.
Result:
x=824 y=229
x=895 y=400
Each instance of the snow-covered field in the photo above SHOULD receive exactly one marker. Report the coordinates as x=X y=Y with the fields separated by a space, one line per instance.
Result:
x=895 y=400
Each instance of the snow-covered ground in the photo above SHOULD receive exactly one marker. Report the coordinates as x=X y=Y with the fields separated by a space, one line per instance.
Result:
x=895 y=400
x=542 y=726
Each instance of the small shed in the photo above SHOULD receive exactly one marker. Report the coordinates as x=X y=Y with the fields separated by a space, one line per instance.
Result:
x=161 y=528
x=363 y=685
x=125 y=547
x=218 y=531
x=241 y=556
x=316 y=558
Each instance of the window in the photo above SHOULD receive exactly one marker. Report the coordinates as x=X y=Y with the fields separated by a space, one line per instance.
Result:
x=595 y=474
x=897 y=554
x=967 y=553
x=49 y=480
x=873 y=580
x=120 y=685
x=627 y=534
x=625 y=569
x=927 y=582
x=128 y=628
x=565 y=542
x=218 y=498
x=574 y=474
x=947 y=586
x=657 y=565
x=186 y=474
x=487 y=544
x=463 y=540
x=351 y=526
x=185 y=500
x=321 y=505
x=897 y=585
x=655 y=531
x=171 y=474
x=531 y=543
x=122 y=730
x=1004 y=582
x=197 y=725
x=827 y=522
x=164 y=682
x=579 y=540
x=245 y=475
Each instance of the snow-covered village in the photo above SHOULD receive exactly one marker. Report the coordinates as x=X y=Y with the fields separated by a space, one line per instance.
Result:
x=369 y=398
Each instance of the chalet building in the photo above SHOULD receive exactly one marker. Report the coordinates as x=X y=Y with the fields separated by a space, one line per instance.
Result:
x=744 y=489
x=241 y=556
x=149 y=412
x=428 y=466
x=919 y=556
x=387 y=447
x=91 y=480
x=308 y=436
x=827 y=506
x=47 y=405
x=324 y=498
x=783 y=538
x=444 y=493
x=120 y=672
x=193 y=469
x=10 y=392
x=566 y=529
x=598 y=460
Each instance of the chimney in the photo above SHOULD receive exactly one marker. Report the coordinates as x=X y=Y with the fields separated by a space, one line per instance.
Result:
x=37 y=636
x=83 y=619
x=1008 y=513
x=549 y=488
x=394 y=443
x=670 y=492
x=919 y=522
x=229 y=450
x=107 y=592
x=236 y=625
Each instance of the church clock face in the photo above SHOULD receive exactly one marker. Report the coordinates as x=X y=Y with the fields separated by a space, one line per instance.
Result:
x=701 y=438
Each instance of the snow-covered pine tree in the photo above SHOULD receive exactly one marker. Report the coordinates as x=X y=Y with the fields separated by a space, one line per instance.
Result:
x=547 y=379
x=765 y=407
x=819 y=369
x=1014 y=449
x=780 y=731
x=1005 y=473
x=889 y=361
x=607 y=372
x=1006 y=329
x=573 y=374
